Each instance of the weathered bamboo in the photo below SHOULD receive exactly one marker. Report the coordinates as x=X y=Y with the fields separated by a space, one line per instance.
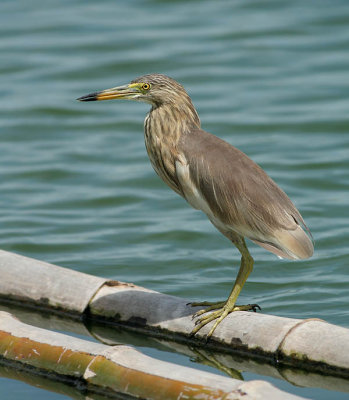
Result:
x=232 y=364
x=37 y=283
x=119 y=369
x=311 y=344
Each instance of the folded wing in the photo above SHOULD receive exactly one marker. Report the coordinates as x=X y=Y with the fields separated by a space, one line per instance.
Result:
x=237 y=195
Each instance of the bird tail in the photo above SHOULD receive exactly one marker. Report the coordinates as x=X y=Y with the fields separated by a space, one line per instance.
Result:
x=292 y=244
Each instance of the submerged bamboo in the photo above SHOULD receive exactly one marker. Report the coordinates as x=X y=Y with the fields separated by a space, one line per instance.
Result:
x=118 y=369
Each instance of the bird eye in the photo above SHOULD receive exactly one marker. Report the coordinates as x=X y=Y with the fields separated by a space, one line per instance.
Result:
x=145 y=86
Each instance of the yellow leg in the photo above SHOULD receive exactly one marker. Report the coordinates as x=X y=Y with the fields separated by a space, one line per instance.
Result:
x=223 y=309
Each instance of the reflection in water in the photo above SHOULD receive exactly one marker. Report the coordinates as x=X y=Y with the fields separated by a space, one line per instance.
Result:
x=209 y=358
x=74 y=390
x=232 y=364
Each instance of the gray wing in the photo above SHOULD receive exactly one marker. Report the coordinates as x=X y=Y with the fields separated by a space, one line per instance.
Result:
x=242 y=196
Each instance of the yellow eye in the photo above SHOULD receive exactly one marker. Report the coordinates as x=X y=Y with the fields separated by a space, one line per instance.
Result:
x=145 y=86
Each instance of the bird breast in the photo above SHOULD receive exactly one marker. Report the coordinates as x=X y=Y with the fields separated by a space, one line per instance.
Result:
x=161 y=150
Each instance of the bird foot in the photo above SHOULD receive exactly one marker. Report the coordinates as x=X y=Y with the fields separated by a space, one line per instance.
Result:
x=211 y=306
x=222 y=310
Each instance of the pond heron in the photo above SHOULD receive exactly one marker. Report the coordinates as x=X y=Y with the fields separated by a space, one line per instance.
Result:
x=237 y=196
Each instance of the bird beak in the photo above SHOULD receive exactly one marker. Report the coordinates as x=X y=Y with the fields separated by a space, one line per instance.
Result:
x=120 y=92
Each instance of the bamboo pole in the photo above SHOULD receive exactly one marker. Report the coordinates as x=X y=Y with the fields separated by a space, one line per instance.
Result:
x=310 y=344
x=232 y=364
x=40 y=284
x=119 y=369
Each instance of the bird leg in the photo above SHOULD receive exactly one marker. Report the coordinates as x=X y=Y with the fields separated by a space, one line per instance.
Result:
x=225 y=308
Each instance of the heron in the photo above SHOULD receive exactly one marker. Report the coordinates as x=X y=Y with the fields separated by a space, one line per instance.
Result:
x=213 y=176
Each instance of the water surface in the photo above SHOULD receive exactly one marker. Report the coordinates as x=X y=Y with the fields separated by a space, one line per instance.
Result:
x=78 y=190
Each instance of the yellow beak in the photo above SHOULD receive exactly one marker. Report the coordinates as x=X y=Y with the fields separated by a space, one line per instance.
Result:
x=120 y=92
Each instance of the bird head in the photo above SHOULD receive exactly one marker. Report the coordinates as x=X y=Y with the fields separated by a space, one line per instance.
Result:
x=155 y=89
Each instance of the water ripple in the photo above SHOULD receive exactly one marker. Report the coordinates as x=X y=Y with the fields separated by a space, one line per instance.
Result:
x=77 y=188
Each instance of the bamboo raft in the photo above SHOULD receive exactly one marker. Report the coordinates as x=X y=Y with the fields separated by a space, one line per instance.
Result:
x=312 y=344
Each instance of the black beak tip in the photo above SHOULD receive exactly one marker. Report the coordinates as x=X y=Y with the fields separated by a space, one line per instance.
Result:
x=88 y=97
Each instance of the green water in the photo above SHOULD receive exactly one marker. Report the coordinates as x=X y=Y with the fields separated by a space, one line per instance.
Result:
x=77 y=189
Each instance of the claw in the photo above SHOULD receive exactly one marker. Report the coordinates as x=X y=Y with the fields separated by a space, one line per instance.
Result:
x=255 y=307
x=200 y=312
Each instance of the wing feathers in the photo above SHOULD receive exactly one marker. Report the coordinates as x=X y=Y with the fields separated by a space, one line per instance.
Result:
x=294 y=245
x=242 y=196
